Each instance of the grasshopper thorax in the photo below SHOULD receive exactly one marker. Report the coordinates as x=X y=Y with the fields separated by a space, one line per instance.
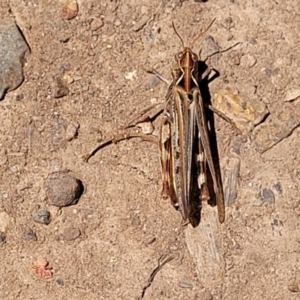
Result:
x=186 y=58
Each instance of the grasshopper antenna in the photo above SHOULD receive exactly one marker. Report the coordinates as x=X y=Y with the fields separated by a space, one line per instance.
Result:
x=178 y=34
x=202 y=33
x=222 y=51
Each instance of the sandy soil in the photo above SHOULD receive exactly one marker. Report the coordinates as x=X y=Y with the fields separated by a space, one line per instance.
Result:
x=125 y=226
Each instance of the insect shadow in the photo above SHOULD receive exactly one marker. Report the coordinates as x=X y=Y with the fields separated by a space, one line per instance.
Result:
x=196 y=201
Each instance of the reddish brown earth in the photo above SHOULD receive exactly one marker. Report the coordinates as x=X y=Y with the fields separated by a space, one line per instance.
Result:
x=124 y=224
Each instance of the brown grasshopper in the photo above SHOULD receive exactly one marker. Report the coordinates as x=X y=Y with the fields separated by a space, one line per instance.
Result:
x=184 y=139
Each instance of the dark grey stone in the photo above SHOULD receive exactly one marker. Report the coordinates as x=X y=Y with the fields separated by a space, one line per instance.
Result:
x=12 y=51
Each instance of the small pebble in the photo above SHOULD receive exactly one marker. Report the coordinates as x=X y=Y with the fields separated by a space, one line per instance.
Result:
x=117 y=23
x=65 y=39
x=68 y=78
x=147 y=127
x=150 y=240
x=19 y=97
x=5 y=221
x=267 y=196
x=292 y=94
x=42 y=269
x=29 y=235
x=14 y=169
x=228 y=22
x=2 y=238
x=144 y=9
x=63 y=189
x=96 y=24
x=278 y=188
x=248 y=61
x=204 y=296
x=69 y=9
x=72 y=130
x=131 y=75
x=60 y=282
x=141 y=23
x=135 y=220
x=277 y=222
x=71 y=234
x=185 y=285
x=59 y=88
x=293 y=288
x=237 y=60
x=42 y=217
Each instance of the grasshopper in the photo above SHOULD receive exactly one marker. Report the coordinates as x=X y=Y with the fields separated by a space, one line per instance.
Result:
x=184 y=139
x=184 y=145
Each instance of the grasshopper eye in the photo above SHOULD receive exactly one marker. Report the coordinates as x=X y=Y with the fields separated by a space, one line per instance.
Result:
x=179 y=55
x=194 y=57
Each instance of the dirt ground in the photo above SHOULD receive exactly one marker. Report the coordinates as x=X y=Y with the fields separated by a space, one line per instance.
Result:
x=125 y=226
